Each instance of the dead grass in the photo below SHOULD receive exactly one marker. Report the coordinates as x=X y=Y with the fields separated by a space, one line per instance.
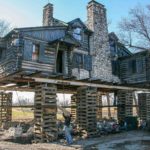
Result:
x=22 y=114
x=27 y=114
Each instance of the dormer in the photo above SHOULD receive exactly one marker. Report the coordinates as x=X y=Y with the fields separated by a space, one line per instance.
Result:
x=78 y=27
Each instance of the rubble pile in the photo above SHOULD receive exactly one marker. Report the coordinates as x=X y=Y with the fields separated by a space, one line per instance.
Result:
x=105 y=127
x=17 y=132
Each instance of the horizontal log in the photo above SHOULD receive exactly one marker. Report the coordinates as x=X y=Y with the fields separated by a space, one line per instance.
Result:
x=96 y=85
x=32 y=106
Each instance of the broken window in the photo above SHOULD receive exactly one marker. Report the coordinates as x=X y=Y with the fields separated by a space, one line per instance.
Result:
x=35 y=52
x=77 y=34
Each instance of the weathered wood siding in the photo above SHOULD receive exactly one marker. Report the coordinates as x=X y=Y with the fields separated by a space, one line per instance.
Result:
x=46 y=60
x=35 y=66
x=47 y=53
x=10 y=61
x=148 y=67
x=134 y=73
x=46 y=35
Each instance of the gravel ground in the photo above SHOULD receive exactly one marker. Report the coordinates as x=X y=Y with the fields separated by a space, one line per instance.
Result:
x=134 y=140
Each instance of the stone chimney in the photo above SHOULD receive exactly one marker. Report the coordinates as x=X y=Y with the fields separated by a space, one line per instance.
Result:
x=48 y=15
x=101 y=60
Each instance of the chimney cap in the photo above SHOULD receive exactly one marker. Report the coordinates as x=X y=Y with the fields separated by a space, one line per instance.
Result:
x=93 y=1
x=47 y=5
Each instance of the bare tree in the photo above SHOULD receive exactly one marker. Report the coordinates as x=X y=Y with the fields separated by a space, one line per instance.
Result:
x=64 y=103
x=135 y=29
x=4 y=27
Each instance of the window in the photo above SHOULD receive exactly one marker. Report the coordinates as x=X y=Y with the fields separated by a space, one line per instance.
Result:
x=78 y=61
x=1 y=53
x=132 y=66
x=136 y=66
x=87 y=62
x=115 y=67
x=140 y=67
x=35 y=52
x=77 y=34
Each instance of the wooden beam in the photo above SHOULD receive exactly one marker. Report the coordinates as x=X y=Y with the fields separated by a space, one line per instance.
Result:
x=105 y=106
x=21 y=89
x=108 y=103
x=56 y=55
x=96 y=85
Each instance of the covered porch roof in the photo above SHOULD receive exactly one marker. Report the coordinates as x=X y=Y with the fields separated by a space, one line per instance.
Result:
x=67 y=39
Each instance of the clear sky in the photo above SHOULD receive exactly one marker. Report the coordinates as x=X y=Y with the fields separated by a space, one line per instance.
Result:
x=25 y=13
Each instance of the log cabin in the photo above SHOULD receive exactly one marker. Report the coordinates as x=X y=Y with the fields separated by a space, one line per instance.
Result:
x=74 y=49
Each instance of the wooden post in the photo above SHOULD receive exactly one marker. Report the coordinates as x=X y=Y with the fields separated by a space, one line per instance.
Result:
x=73 y=106
x=99 y=106
x=136 y=103
x=57 y=49
x=108 y=103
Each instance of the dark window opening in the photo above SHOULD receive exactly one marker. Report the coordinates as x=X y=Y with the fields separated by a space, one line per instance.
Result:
x=1 y=53
x=78 y=61
x=35 y=52
x=115 y=68
x=140 y=67
x=59 y=65
x=132 y=66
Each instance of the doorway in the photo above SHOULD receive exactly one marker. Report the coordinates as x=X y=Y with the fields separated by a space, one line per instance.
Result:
x=59 y=64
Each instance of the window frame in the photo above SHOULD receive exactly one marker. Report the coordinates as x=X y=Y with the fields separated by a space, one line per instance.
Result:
x=35 y=52
x=76 y=35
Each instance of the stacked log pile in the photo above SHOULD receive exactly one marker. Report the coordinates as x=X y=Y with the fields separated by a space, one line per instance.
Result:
x=73 y=106
x=45 y=113
x=125 y=103
x=5 y=107
x=86 y=109
x=99 y=106
x=144 y=106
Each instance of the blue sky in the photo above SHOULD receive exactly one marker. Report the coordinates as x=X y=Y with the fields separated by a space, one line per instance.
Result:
x=25 y=13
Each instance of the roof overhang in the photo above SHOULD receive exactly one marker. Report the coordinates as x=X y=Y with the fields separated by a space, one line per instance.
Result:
x=67 y=39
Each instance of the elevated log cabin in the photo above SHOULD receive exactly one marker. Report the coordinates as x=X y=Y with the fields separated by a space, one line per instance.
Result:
x=47 y=49
x=73 y=50
x=135 y=69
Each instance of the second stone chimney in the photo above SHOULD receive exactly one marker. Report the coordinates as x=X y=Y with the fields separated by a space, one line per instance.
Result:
x=48 y=15
x=101 y=61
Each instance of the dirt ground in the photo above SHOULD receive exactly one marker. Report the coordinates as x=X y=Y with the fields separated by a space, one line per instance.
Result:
x=133 y=140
